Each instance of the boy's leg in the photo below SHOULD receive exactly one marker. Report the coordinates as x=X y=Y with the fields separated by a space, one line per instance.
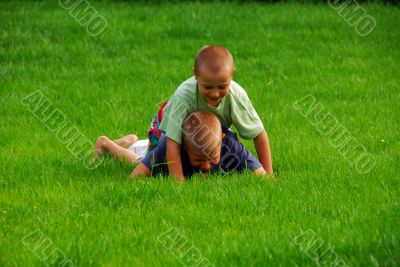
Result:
x=126 y=141
x=103 y=143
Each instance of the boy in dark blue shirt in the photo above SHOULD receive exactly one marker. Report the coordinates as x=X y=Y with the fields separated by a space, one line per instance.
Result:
x=205 y=148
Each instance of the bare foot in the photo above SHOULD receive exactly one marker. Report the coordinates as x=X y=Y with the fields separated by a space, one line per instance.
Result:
x=98 y=148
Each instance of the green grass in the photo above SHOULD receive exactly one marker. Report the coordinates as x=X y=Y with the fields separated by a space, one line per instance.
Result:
x=113 y=83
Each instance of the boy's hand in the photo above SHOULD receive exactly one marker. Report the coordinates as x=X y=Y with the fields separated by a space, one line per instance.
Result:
x=174 y=159
x=261 y=142
x=260 y=171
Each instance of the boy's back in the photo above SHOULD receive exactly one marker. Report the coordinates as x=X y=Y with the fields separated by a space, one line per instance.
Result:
x=234 y=157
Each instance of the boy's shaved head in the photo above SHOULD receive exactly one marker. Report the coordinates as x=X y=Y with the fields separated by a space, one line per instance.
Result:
x=202 y=132
x=214 y=58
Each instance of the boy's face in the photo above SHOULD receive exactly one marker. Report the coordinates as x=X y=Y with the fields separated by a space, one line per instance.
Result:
x=214 y=86
x=204 y=161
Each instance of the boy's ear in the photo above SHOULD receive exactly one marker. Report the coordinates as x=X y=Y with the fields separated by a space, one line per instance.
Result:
x=195 y=73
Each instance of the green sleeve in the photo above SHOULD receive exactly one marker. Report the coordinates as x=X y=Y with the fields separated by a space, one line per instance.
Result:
x=244 y=116
x=174 y=115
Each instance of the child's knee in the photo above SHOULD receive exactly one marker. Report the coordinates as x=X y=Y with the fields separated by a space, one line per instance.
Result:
x=132 y=138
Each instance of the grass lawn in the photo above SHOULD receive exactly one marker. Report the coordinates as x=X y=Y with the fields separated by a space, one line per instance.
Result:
x=319 y=210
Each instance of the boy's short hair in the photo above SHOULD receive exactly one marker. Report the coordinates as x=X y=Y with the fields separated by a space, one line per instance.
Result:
x=202 y=131
x=215 y=57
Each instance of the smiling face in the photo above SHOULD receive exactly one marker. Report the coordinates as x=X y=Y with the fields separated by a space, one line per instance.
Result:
x=213 y=70
x=214 y=86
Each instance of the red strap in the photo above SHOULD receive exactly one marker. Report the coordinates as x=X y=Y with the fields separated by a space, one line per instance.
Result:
x=161 y=112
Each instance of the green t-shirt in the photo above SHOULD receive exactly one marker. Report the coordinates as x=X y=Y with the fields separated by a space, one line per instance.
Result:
x=235 y=108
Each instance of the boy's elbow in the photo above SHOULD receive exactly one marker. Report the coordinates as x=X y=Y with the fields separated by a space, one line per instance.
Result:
x=140 y=170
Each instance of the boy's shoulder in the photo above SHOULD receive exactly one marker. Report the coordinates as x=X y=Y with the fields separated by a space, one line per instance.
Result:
x=230 y=143
x=234 y=156
x=187 y=87
x=237 y=91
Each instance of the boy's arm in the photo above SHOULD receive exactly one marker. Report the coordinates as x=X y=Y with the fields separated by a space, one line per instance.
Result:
x=174 y=159
x=261 y=142
x=140 y=170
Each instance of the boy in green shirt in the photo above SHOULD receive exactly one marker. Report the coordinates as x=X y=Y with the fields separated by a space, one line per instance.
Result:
x=212 y=89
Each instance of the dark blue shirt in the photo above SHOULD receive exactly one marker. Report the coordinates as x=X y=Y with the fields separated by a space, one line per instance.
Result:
x=234 y=157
